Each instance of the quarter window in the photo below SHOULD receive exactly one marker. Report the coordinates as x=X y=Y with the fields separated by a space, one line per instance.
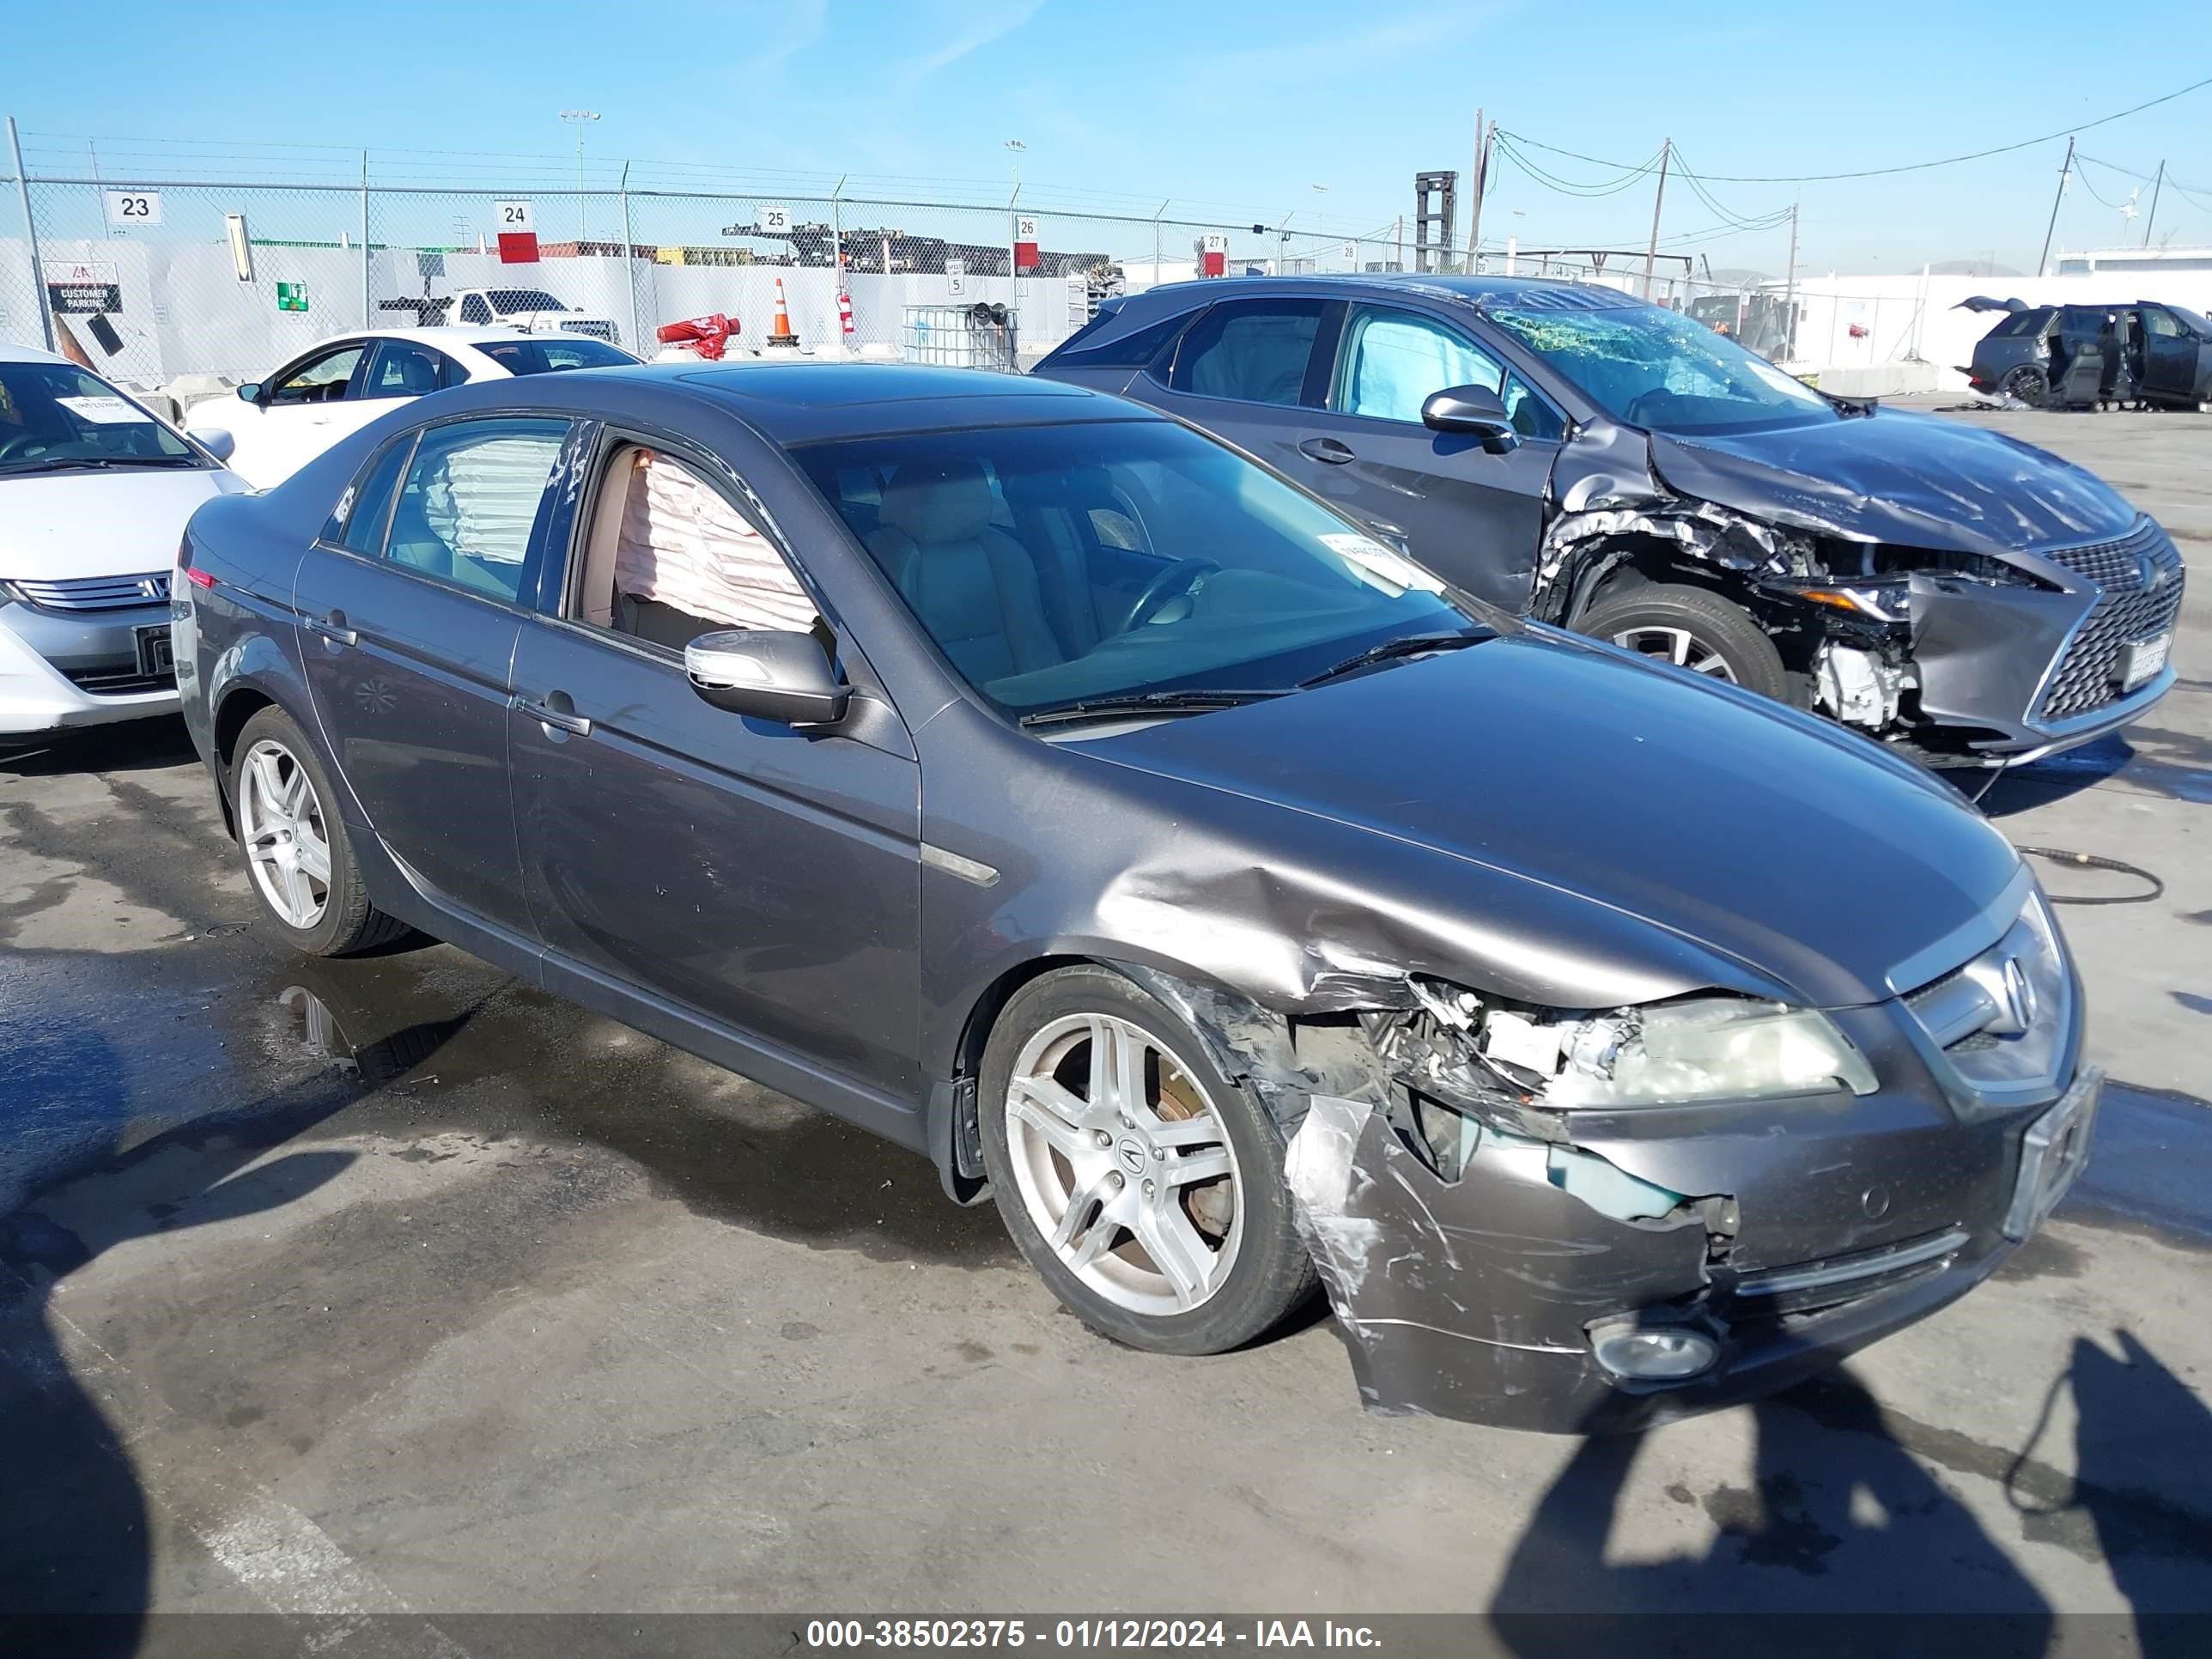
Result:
x=472 y=497
x=1256 y=352
x=319 y=380
x=474 y=310
x=366 y=508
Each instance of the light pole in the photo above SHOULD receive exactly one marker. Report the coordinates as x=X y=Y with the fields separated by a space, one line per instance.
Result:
x=580 y=118
x=1014 y=148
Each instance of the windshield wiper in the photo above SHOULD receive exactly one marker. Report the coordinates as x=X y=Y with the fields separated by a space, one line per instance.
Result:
x=1146 y=702
x=94 y=463
x=1409 y=644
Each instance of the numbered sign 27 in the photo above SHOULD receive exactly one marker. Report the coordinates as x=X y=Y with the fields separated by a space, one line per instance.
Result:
x=127 y=208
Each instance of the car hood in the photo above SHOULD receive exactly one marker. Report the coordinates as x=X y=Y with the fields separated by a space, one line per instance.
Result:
x=59 y=526
x=1914 y=480
x=1559 y=789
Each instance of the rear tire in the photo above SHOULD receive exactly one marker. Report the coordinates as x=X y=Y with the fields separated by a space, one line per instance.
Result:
x=1097 y=1179
x=1692 y=629
x=298 y=860
x=2028 y=383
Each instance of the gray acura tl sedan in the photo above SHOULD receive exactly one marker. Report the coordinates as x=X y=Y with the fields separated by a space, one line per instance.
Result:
x=1056 y=791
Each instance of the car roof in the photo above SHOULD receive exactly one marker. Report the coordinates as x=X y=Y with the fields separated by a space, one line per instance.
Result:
x=1471 y=290
x=23 y=354
x=802 y=403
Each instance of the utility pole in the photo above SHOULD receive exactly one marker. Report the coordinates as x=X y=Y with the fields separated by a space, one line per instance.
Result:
x=2066 y=172
x=1481 y=181
x=1652 y=248
x=1790 y=294
x=2153 y=219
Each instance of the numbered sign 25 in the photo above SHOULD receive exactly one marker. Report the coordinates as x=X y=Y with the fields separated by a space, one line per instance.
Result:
x=133 y=207
x=774 y=219
x=512 y=216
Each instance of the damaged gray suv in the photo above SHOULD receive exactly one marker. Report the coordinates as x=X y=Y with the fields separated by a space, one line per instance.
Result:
x=1045 y=786
x=1562 y=450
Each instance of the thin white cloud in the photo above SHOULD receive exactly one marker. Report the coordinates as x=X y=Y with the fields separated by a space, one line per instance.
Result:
x=1324 y=58
x=974 y=38
x=804 y=21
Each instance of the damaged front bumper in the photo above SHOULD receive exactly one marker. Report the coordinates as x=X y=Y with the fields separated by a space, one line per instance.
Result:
x=1763 y=1240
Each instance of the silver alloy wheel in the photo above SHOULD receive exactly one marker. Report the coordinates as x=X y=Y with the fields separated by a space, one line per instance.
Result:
x=1123 y=1163
x=288 y=844
x=1680 y=647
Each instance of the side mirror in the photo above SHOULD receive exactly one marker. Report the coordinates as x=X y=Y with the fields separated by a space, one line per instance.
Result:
x=214 y=439
x=250 y=392
x=771 y=675
x=1471 y=408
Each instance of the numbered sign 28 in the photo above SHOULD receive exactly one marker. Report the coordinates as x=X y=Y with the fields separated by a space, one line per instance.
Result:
x=133 y=207
x=510 y=218
x=774 y=219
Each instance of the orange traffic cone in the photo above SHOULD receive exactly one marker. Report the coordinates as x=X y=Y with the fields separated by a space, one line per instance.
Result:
x=780 y=335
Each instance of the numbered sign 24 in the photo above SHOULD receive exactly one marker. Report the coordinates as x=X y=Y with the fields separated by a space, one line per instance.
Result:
x=512 y=216
x=127 y=208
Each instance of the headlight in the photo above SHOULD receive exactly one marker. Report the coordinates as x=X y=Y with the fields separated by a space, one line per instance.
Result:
x=1718 y=1049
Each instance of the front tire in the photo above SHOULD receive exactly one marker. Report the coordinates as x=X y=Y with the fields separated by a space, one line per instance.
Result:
x=1694 y=630
x=298 y=860
x=1145 y=1187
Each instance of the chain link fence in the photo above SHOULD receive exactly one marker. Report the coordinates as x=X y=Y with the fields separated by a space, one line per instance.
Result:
x=175 y=280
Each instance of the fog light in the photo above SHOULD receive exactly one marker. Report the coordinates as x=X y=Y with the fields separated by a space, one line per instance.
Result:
x=1654 y=1354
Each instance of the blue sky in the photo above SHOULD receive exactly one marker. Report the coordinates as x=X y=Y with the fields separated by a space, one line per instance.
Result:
x=1243 y=107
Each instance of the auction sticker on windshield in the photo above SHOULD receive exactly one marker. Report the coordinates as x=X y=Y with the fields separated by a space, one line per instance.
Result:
x=106 y=411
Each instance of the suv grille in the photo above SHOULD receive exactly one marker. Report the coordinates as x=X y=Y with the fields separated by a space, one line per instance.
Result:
x=2125 y=612
x=96 y=592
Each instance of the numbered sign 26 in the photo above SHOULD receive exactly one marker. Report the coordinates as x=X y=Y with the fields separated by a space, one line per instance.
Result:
x=133 y=207
x=510 y=218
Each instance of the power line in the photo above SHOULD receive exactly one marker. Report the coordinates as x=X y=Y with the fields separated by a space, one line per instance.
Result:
x=1910 y=167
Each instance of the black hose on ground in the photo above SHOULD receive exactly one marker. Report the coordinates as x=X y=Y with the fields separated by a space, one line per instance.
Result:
x=2155 y=887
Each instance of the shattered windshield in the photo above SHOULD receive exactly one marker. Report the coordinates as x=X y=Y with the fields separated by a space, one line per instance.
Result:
x=1663 y=372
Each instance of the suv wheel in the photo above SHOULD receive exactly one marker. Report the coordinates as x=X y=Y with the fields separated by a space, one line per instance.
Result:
x=1692 y=629
x=2028 y=383
x=297 y=856
x=1142 y=1184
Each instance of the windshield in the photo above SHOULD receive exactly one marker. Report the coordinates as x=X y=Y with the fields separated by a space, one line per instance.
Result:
x=541 y=355
x=2203 y=328
x=1662 y=371
x=55 y=417
x=1062 y=564
x=504 y=299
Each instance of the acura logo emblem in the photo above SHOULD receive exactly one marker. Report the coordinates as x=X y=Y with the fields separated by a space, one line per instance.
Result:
x=155 y=587
x=2020 y=998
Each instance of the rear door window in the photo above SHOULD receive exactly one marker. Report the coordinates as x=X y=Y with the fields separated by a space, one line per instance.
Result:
x=358 y=521
x=404 y=368
x=472 y=500
x=1253 y=350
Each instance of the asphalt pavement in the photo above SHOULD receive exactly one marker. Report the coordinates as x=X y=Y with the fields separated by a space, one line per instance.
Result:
x=335 y=1289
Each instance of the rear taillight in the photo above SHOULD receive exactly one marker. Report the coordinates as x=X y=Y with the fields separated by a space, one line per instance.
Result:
x=196 y=578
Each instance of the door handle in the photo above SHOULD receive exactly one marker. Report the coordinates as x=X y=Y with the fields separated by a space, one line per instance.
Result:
x=1327 y=449
x=561 y=720
x=334 y=632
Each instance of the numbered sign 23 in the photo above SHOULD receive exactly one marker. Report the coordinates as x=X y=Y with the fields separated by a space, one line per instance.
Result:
x=133 y=207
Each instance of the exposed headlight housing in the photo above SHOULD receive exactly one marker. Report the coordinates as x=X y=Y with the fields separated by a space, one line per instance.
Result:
x=1712 y=1049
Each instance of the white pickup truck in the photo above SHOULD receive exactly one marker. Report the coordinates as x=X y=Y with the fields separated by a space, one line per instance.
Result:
x=532 y=310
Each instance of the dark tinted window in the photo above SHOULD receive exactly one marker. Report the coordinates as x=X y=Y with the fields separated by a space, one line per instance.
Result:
x=523 y=299
x=2021 y=322
x=545 y=354
x=359 y=520
x=470 y=500
x=1255 y=350
x=1133 y=349
x=474 y=310
x=2082 y=322
x=404 y=368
